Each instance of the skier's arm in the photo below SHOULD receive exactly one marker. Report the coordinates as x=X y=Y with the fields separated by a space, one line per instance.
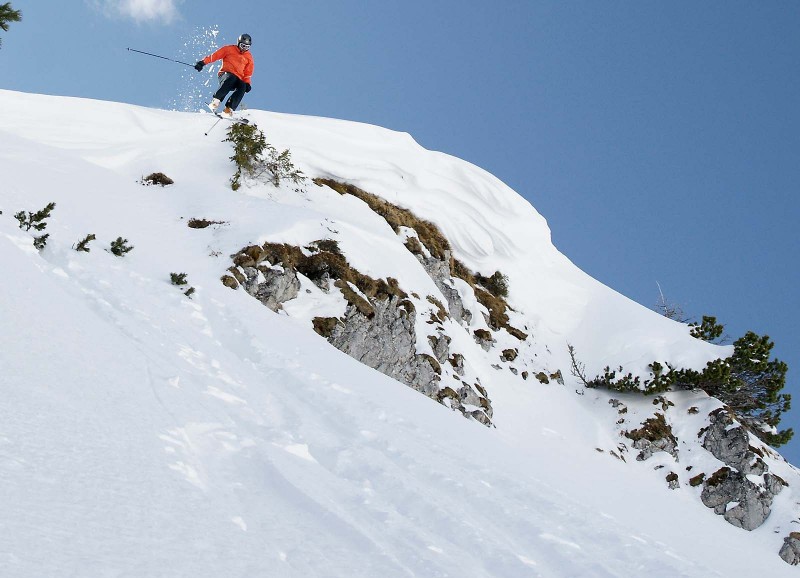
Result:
x=221 y=53
x=248 y=72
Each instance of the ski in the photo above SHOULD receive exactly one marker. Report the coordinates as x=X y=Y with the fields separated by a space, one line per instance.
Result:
x=233 y=118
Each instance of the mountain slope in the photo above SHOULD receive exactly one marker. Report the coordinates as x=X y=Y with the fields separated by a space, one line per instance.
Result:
x=146 y=433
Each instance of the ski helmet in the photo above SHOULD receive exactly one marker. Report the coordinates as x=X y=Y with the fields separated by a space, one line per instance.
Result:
x=244 y=42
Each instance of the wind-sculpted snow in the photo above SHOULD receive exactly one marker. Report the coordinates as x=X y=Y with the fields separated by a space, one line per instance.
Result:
x=145 y=433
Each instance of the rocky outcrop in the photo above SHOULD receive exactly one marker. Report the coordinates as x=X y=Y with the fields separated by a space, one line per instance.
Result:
x=790 y=552
x=378 y=327
x=439 y=271
x=271 y=286
x=655 y=435
x=735 y=492
x=729 y=442
x=742 y=502
x=393 y=328
x=484 y=338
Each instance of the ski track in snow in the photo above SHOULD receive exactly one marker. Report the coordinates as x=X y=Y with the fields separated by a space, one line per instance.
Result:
x=146 y=434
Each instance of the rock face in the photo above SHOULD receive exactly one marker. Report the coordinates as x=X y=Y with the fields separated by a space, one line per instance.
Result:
x=379 y=330
x=439 y=271
x=790 y=552
x=650 y=447
x=741 y=500
x=729 y=442
x=271 y=286
x=393 y=328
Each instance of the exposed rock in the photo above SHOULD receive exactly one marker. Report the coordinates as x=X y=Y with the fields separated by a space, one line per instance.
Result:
x=229 y=282
x=650 y=447
x=483 y=338
x=697 y=480
x=457 y=361
x=740 y=501
x=481 y=417
x=655 y=435
x=673 y=481
x=790 y=552
x=743 y=502
x=467 y=396
x=237 y=274
x=509 y=354
x=379 y=324
x=271 y=286
x=729 y=442
x=396 y=357
x=392 y=327
x=439 y=271
x=441 y=346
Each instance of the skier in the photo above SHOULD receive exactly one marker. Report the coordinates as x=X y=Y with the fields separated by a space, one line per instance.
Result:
x=235 y=74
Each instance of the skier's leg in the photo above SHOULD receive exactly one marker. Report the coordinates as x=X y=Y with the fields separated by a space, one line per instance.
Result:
x=238 y=94
x=227 y=83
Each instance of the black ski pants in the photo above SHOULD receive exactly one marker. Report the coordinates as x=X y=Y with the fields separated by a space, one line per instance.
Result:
x=230 y=82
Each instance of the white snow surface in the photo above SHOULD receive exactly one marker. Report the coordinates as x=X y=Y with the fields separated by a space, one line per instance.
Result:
x=143 y=433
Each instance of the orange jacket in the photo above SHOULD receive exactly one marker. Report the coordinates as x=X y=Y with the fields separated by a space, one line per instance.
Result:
x=234 y=61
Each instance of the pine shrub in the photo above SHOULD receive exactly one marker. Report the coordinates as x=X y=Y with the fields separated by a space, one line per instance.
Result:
x=40 y=241
x=120 y=247
x=707 y=330
x=179 y=280
x=748 y=382
x=37 y=222
x=256 y=159
x=83 y=244
x=8 y=15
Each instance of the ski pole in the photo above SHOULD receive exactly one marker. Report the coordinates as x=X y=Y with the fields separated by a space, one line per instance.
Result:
x=157 y=56
x=212 y=126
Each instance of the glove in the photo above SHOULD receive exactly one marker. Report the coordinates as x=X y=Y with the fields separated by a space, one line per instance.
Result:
x=247 y=87
x=199 y=66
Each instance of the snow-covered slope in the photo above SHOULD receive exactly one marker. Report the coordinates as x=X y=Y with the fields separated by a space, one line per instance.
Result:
x=145 y=433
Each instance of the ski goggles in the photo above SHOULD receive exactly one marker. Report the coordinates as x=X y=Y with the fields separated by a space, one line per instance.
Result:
x=244 y=47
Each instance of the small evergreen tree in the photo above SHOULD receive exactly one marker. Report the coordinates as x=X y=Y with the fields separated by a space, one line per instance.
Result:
x=120 y=247
x=750 y=383
x=708 y=329
x=179 y=279
x=254 y=157
x=8 y=15
x=83 y=244
x=249 y=145
x=281 y=167
x=37 y=222
x=40 y=241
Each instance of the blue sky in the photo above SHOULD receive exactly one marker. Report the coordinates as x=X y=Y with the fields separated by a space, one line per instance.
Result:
x=661 y=140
